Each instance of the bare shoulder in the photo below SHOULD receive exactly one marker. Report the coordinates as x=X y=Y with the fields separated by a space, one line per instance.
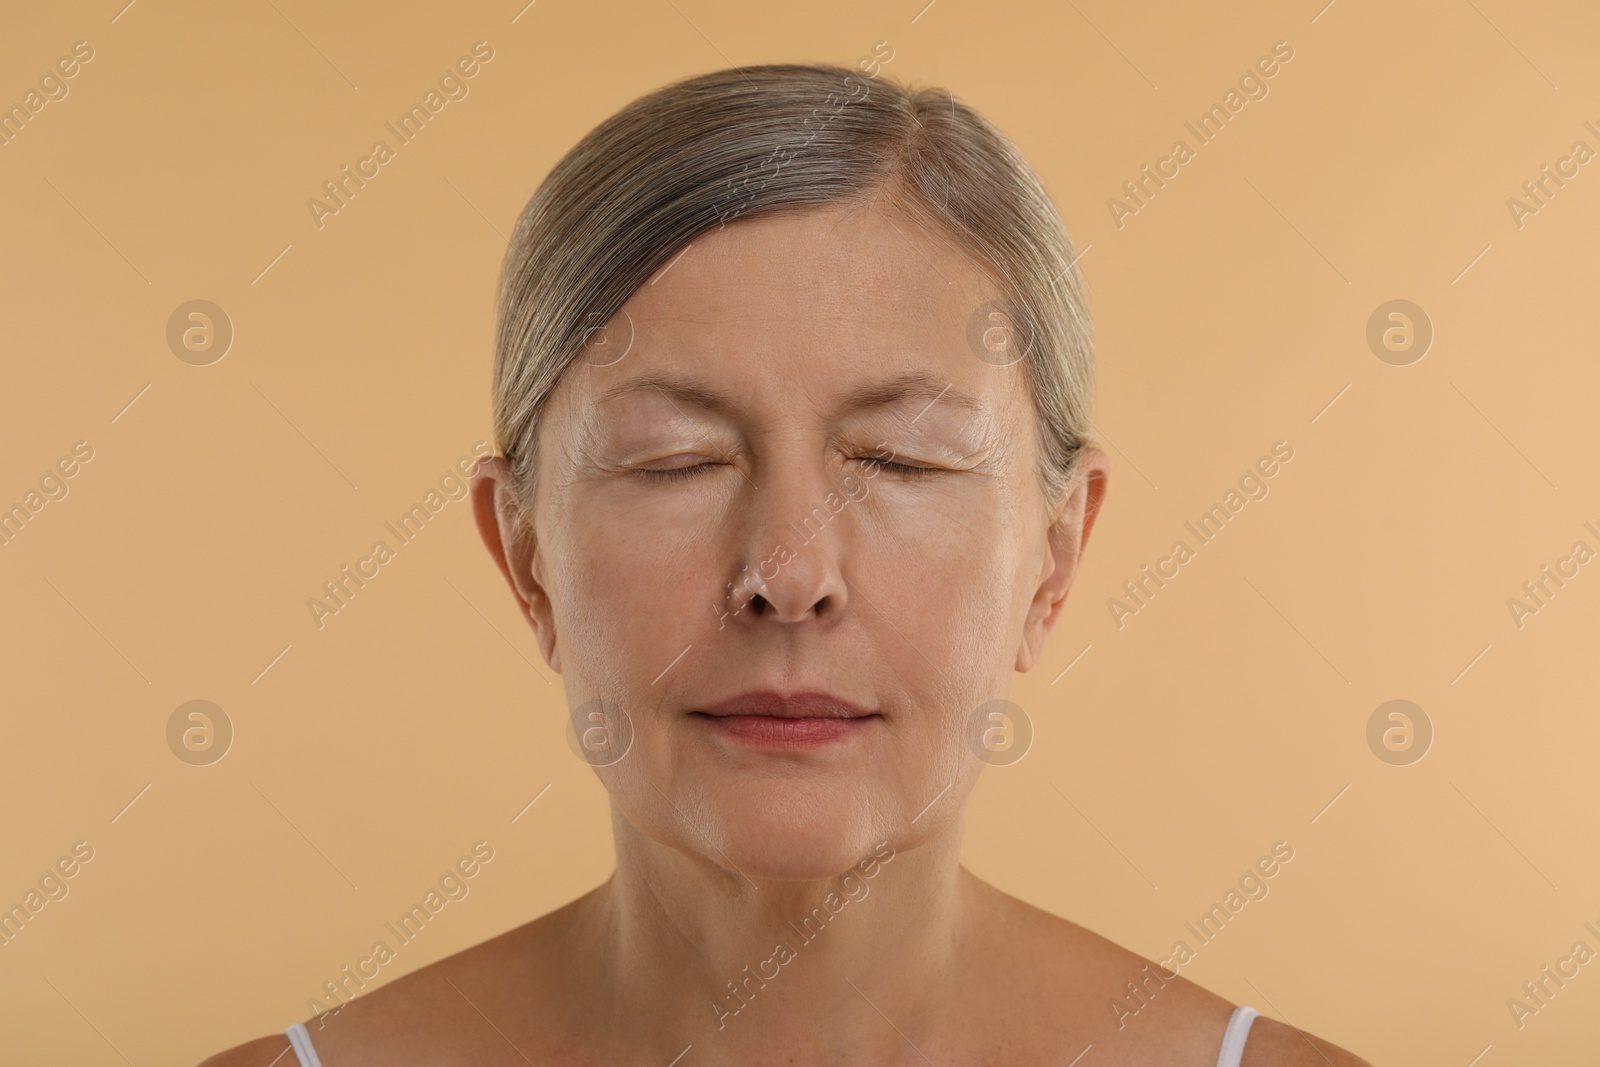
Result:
x=454 y=1011
x=258 y=1053
x=1065 y=959
x=1133 y=1009
x=1275 y=1044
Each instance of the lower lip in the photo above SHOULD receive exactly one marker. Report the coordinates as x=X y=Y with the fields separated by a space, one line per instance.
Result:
x=770 y=730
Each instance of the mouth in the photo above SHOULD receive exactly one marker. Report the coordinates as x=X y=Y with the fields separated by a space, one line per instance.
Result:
x=796 y=719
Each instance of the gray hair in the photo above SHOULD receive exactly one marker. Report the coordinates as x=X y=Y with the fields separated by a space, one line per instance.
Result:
x=782 y=137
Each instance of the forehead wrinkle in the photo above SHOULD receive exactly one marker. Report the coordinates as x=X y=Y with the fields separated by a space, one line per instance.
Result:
x=834 y=301
x=674 y=390
x=908 y=386
x=815 y=267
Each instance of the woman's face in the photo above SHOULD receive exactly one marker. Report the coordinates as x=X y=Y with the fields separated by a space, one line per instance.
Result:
x=793 y=408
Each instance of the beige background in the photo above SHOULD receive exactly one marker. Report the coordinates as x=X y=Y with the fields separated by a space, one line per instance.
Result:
x=1230 y=311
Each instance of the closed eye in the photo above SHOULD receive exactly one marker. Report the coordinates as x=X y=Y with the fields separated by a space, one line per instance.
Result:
x=907 y=470
x=667 y=474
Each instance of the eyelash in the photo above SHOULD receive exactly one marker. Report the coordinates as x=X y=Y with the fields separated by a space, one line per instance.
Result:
x=668 y=474
x=904 y=469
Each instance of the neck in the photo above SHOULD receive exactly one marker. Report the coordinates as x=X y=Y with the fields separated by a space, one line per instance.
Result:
x=751 y=970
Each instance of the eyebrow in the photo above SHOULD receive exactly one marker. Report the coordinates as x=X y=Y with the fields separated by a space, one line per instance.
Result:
x=909 y=385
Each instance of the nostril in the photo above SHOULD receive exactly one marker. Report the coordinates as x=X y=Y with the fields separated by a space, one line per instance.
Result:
x=758 y=603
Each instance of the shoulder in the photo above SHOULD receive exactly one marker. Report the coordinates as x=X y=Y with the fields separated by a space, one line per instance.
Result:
x=1275 y=1044
x=1133 y=1009
x=1071 y=959
x=458 y=1010
x=258 y=1053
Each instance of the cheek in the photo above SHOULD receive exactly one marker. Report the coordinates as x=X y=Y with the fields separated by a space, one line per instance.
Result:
x=952 y=567
x=934 y=578
x=612 y=570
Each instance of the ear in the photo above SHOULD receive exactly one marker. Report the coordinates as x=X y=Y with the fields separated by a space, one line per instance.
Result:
x=494 y=509
x=1065 y=540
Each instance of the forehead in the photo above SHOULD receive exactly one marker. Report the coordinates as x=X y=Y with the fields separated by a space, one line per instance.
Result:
x=869 y=256
x=822 y=305
x=858 y=265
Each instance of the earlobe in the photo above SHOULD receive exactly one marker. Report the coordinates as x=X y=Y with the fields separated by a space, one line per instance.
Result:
x=1043 y=611
x=513 y=551
x=1065 y=540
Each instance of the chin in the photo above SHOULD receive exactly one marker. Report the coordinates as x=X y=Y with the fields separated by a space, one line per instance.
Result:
x=792 y=831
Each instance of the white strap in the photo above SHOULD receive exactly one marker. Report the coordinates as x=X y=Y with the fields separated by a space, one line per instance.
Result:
x=300 y=1041
x=1234 y=1037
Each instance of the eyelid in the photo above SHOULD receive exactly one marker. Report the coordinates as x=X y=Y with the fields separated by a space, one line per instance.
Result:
x=702 y=462
x=667 y=474
x=912 y=470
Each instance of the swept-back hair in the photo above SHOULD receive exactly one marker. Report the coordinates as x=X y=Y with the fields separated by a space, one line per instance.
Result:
x=750 y=141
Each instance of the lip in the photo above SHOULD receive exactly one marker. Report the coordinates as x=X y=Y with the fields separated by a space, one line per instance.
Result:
x=792 y=719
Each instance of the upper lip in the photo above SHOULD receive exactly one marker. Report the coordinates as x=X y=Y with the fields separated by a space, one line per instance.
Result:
x=809 y=705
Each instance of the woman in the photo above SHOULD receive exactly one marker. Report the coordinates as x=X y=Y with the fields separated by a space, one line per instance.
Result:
x=793 y=388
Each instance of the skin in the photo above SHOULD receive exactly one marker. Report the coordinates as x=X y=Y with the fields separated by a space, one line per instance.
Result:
x=917 y=598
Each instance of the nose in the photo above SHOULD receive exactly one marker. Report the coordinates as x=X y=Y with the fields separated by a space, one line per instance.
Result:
x=789 y=566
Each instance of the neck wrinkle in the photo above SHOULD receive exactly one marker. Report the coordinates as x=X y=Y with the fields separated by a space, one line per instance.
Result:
x=678 y=928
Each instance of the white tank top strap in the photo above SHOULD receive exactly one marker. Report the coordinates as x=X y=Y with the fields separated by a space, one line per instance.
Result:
x=300 y=1041
x=1234 y=1037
